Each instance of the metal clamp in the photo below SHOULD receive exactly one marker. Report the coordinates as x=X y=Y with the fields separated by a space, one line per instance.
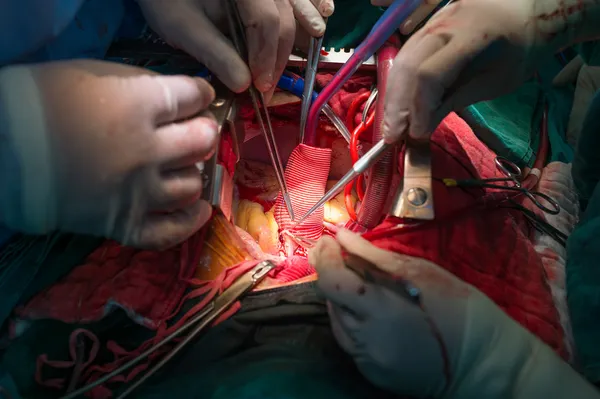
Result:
x=415 y=199
x=332 y=60
x=218 y=183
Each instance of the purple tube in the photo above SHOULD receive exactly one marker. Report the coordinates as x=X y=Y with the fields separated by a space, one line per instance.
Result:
x=383 y=29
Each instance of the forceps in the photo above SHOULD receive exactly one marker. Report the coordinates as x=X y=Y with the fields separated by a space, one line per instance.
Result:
x=196 y=324
x=238 y=36
x=312 y=63
x=370 y=272
x=364 y=163
x=512 y=182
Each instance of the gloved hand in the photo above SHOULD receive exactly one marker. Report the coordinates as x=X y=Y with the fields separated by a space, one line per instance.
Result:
x=103 y=149
x=588 y=83
x=416 y=17
x=471 y=50
x=194 y=26
x=458 y=345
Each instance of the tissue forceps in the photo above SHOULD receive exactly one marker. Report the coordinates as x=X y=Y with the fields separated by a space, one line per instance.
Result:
x=195 y=325
x=370 y=272
x=312 y=63
x=238 y=36
x=358 y=168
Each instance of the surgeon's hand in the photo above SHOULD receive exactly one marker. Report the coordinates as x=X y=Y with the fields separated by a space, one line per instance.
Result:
x=480 y=352
x=416 y=17
x=197 y=27
x=104 y=149
x=471 y=50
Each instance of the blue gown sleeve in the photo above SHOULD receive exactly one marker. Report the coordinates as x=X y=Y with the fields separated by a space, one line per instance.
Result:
x=27 y=25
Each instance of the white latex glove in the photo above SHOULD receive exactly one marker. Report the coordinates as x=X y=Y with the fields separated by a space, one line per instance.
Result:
x=568 y=75
x=471 y=50
x=588 y=83
x=104 y=149
x=393 y=344
x=416 y=17
x=193 y=26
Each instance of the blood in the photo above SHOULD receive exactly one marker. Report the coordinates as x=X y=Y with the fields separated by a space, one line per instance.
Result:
x=437 y=334
x=563 y=11
x=550 y=254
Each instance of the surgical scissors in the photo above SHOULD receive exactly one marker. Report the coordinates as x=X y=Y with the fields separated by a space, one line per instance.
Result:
x=540 y=224
x=512 y=182
x=312 y=64
x=238 y=35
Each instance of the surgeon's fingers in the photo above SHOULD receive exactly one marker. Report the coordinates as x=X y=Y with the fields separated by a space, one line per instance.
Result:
x=405 y=77
x=418 y=16
x=390 y=262
x=356 y=245
x=287 y=35
x=425 y=275
x=338 y=283
x=474 y=89
x=325 y=7
x=438 y=77
x=262 y=23
x=309 y=15
x=176 y=189
x=197 y=35
x=174 y=98
x=182 y=144
x=161 y=231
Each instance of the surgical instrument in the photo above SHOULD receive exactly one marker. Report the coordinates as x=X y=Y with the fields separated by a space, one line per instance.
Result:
x=383 y=29
x=217 y=180
x=540 y=224
x=369 y=272
x=365 y=162
x=512 y=178
x=155 y=49
x=238 y=34
x=199 y=323
x=370 y=101
x=312 y=62
x=301 y=241
x=415 y=199
x=331 y=60
x=374 y=275
x=295 y=85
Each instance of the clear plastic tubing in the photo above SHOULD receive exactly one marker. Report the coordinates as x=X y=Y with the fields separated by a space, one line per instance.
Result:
x=383 y=29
